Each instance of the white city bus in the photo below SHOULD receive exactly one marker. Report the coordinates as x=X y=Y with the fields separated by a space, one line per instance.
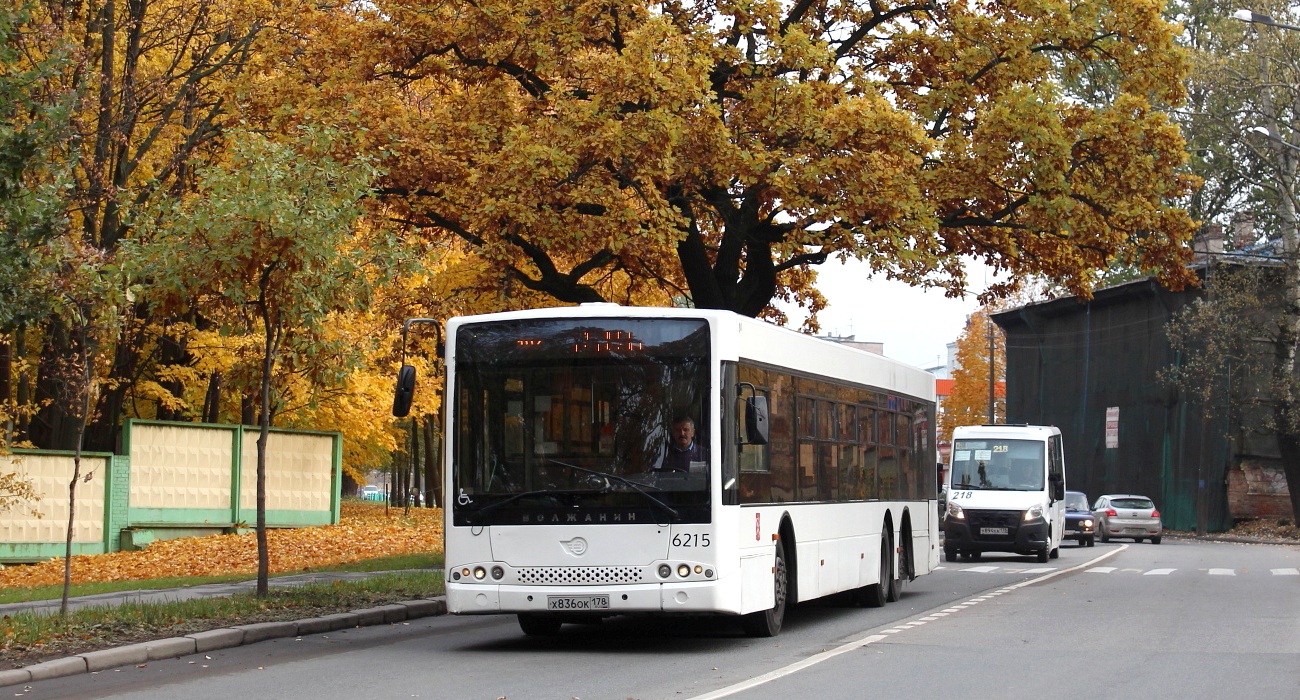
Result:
x=815 y=475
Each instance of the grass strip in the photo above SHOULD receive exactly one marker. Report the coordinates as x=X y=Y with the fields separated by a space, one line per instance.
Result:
x=394 y=563
x=32 y=635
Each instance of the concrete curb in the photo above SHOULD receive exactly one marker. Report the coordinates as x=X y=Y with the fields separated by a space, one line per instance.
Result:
x=210 y=640
x=1230 y=539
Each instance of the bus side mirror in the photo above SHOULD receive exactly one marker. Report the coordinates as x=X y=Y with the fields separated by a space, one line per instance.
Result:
x=405 y=391
x=756 y=420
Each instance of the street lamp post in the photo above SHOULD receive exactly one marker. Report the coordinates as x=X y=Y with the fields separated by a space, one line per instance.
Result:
x=1277 y=139
x=1257 y=18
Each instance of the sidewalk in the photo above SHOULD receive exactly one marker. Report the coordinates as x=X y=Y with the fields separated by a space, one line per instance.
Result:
x=209 y=640
x=168 y=595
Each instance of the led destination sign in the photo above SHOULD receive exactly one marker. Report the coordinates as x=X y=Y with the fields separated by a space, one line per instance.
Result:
x=603 y=339
x=589 y=342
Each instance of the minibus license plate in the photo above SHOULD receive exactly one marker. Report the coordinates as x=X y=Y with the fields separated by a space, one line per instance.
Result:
x=577 y=602
x=993 y=531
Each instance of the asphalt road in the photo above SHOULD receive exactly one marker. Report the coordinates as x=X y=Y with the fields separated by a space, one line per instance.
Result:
x=1181 y=619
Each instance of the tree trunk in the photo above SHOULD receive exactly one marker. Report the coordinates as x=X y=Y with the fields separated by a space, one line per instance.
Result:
x=212 y=400
x=6 y=389
x=53 y=427
x=263 y=435
x=173 y=354
x=416 y=491
x=1289 y=446
x=433 y=460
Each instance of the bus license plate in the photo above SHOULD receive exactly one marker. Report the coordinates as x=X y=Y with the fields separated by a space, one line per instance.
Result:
x=577 y=602
x=993 y=531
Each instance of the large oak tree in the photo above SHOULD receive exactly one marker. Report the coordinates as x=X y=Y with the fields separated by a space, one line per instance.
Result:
x=720 y=149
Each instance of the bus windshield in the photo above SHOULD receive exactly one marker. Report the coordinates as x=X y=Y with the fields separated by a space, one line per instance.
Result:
x=558 y=419
x=997 y=464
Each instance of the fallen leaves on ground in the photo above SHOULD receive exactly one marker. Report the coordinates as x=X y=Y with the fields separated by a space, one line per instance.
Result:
x=365 y=531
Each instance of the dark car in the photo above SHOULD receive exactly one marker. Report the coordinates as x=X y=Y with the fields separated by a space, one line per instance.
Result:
x=1080 y=525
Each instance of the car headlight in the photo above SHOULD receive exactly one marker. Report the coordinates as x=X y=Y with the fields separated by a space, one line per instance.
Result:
x=1087 y=522
x=955 y=511
x=1034 y=513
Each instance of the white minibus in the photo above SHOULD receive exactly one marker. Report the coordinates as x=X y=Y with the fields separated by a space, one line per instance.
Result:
x=1006 y=492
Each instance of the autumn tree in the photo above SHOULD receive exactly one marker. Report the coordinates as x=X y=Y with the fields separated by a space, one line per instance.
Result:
x=34 y=121
x=1244 y=124
x=979 y=379
x=720 y=151
x=14 y=489
x=152 y=86
x=85 y=289
x=268 y=243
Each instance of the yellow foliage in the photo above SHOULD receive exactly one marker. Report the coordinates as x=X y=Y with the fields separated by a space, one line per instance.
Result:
x=968 y=404
x=643 y=151
x=365 y=531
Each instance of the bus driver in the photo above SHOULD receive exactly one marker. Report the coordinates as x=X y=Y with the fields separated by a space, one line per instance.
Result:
x=682 y=448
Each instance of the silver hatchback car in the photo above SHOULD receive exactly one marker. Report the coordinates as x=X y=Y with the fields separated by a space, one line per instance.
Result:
x=1127 y=515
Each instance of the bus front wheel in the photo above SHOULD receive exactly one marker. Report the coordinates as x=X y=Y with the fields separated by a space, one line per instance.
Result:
x=767 y=623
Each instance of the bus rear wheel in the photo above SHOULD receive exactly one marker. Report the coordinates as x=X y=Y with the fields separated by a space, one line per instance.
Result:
x=900 y=573
x=767 y=623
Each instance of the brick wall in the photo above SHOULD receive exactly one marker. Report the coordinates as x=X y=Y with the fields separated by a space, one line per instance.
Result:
x=1258 y=489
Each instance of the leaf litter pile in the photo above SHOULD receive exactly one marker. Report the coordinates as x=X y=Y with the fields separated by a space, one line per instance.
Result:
x=364 y=532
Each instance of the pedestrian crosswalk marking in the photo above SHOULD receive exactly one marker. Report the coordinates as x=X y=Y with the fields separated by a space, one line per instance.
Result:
x=1223 y=572
x=1286 y=572
x=982 y=569
x=1159 y=572
x=1101 y=569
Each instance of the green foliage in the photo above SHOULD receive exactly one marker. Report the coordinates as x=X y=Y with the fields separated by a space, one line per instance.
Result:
x=33 y=175
x=1223 y=340
x=268 y=245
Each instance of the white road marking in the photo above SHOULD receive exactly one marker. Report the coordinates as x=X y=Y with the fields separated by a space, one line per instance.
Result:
x=982 y=569
x=1223 y=572
x=1101 y=569
x=876 y=637
x=1286 y=572
x=1159 y=572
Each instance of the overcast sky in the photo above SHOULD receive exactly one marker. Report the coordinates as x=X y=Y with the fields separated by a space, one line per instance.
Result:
x=915 y=325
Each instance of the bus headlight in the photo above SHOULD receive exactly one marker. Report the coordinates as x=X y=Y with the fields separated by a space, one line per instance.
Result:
x=498 y=573
x=1034 y=513
x=665 y=571
x=480 y=573
x=955 y=511
x=683 y=570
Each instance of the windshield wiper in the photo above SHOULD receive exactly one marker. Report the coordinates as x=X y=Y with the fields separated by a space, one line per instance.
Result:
x=513 y=497
x=626 y=482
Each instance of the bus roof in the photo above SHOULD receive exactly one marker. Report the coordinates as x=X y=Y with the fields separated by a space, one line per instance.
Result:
x=1007 y=430
x=743 y=338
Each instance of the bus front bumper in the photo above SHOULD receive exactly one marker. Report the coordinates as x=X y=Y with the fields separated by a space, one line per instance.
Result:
x=1020 y=538
x=695 y=597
